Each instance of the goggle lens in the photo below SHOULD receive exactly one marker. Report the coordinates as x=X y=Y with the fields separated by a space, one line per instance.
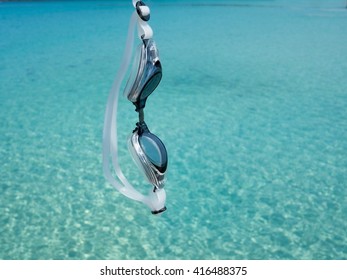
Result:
x=154 y=149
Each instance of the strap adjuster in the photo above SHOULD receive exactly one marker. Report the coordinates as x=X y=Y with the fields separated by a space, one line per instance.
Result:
x=143 y=11
x=155 y=212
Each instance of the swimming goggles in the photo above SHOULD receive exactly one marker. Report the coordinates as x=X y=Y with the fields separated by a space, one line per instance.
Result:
x=147 y=150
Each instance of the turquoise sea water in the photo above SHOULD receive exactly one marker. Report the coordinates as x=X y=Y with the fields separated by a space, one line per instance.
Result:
x=252 y=109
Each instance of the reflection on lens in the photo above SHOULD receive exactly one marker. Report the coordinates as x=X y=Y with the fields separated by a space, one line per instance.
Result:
x=152 y=83
x=154 y=149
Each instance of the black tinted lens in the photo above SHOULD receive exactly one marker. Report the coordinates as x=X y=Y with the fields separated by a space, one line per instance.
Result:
x=154 y=149
x=151 y=85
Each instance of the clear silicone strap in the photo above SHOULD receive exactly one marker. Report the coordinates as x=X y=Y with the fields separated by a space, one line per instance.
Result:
x=144 y=30
x=110 y=144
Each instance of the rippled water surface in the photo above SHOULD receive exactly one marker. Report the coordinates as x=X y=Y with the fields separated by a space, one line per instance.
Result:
x=252 y=109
